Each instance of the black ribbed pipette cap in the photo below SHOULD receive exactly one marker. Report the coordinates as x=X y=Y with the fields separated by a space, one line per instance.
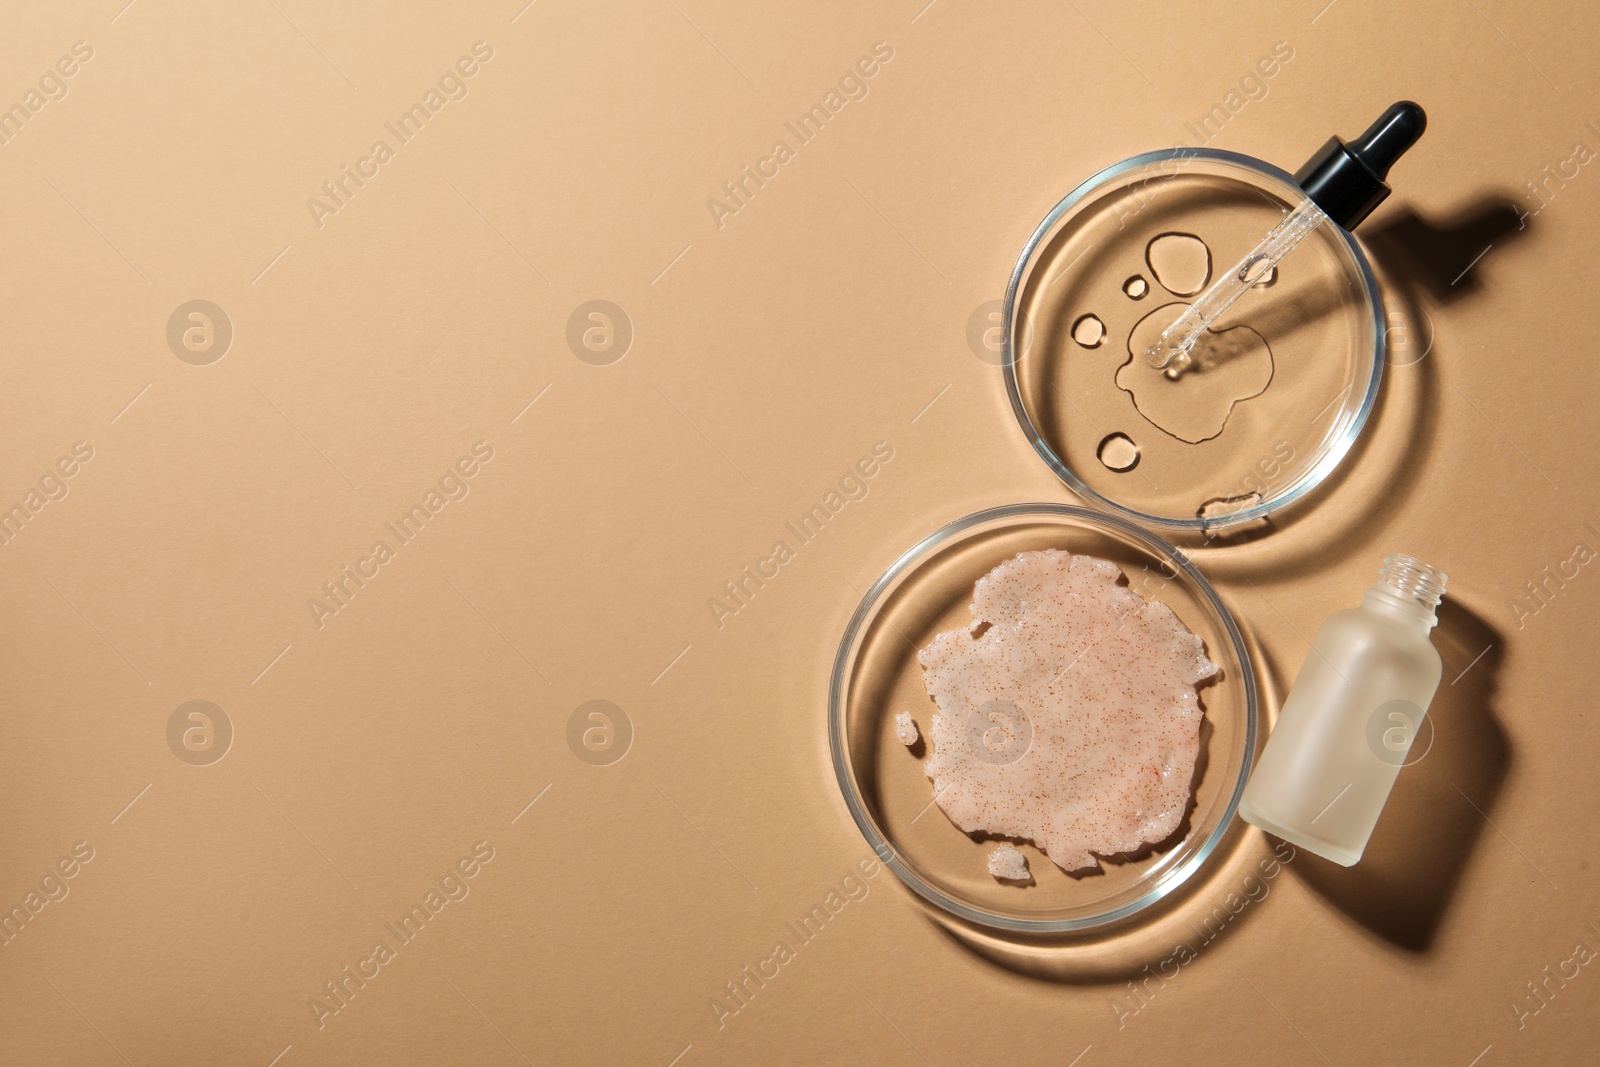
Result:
x=1346 y=179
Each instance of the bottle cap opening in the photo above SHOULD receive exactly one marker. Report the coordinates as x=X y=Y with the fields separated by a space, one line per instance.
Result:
x=1413 y=579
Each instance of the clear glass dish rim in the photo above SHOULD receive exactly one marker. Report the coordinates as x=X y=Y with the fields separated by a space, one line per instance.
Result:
x=1332 y=454
x=879 y=841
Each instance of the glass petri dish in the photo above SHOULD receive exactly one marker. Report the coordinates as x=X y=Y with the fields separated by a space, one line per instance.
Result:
x=928 y=590
x=1283 y=383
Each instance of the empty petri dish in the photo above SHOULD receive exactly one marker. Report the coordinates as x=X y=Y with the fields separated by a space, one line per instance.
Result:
x=876 y=676
x=1278 y=390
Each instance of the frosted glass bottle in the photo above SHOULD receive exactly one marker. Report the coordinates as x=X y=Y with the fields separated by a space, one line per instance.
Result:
x=1350 y=717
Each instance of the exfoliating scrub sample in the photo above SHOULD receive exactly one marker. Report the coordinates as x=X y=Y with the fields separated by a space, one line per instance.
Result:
x=1066 y=716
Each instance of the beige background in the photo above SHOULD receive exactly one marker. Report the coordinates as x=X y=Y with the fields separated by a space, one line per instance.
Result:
x=368 y=354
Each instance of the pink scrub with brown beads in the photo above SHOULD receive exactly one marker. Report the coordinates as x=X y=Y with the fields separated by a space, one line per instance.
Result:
x=1068 y=714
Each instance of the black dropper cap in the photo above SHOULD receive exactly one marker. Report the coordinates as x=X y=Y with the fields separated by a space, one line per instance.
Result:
x=1346 y=180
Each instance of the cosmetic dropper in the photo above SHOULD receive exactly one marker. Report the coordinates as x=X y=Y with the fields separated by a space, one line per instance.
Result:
x=1342 y=182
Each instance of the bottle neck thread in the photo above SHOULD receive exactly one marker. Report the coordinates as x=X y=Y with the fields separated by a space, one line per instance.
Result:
x=1412 y=581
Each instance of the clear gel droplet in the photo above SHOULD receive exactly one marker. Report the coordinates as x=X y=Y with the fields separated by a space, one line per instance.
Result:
x=1089 y=331
x=1180 y=261
x=1119 y=453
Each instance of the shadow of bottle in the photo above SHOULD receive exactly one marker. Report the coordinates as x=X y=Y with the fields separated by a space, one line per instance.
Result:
x=1401 y=888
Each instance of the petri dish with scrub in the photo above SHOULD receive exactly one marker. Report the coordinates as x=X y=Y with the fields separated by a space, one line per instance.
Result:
x=881 y=678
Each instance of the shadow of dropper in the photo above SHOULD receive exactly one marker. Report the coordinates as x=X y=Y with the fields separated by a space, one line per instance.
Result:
x=1440 y=255
x=1415 y=256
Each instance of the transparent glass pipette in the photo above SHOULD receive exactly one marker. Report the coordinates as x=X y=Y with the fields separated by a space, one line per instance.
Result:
x=1176 y=341
x=1342 y=182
